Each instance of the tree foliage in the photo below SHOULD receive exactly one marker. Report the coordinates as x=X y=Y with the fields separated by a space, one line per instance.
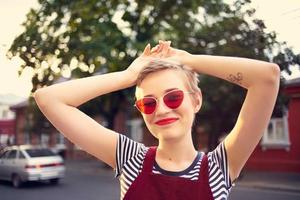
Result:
x=80 y=38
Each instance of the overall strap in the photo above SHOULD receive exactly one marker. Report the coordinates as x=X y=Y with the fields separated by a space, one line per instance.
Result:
x=204 y=172
x=149 y=160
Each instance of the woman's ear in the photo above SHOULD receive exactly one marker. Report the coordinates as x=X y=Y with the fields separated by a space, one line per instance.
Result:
x=198 y=100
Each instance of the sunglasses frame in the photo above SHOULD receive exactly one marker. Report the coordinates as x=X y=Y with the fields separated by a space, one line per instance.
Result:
x=157 y=100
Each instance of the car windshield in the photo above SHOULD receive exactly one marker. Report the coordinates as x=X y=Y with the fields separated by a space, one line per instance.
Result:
x=39 y=152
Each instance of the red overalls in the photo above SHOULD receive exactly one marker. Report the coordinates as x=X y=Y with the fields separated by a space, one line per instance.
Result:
x=161 y=187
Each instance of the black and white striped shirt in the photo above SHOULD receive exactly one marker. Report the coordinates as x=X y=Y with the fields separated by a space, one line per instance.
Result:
x=130 y=156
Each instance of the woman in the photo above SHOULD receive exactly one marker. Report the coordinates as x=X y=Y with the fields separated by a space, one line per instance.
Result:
x=168 y=98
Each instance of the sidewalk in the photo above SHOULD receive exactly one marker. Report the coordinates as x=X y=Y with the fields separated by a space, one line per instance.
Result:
x=270 y=180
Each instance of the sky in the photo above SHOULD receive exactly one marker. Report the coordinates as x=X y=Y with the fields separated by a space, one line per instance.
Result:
x=283 y=17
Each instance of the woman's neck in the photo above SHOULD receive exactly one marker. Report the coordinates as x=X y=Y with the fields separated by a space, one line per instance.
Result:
x=176 y=151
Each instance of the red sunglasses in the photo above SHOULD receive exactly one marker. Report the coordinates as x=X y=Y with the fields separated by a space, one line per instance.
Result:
x=172 y=99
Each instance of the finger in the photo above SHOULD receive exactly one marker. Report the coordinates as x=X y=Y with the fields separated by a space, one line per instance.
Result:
x=166 y=47
x=147 y=50
x=156 y=52
x=160 y=46
x=169 y=42
x=154 y=49
x=168 y=52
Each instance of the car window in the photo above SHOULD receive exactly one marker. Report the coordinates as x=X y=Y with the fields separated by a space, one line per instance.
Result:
x=1 y=154
x=39 y=152
x=4 y=154
x=21 y=155
x=12 y=154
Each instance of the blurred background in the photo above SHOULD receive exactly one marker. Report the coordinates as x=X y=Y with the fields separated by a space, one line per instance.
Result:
x=48 y=42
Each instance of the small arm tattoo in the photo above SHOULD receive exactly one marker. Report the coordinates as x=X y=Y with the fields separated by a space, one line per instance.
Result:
x=236 y=78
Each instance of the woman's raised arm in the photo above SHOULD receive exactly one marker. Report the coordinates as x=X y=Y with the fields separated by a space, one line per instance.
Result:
x=260 y=78
x=58 y=103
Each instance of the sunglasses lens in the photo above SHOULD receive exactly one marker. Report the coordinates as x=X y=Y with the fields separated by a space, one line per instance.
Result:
x=174 y=99
x=146 y=105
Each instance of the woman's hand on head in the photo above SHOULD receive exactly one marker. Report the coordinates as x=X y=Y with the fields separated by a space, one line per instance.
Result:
x=161 y=51
x=140 y=62
x=164 y=50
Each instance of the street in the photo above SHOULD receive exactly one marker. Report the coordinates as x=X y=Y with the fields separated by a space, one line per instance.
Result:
x=90 y=181
x=245 y=193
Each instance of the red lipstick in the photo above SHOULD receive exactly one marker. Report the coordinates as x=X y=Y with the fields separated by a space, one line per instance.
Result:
x=166 y=121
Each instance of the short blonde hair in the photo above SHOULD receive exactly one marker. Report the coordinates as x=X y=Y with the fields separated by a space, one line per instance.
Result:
x=163 y=64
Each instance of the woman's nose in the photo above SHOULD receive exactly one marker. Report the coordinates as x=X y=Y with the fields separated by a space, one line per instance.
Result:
x=162 y=108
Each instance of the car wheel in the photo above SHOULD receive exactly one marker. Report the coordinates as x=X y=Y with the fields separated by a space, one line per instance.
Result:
x=54 y=181
x=16 y=181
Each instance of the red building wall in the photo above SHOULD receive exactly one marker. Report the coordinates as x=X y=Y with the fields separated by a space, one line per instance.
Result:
x=7 y=127
x=281 y=159
x=19 y=127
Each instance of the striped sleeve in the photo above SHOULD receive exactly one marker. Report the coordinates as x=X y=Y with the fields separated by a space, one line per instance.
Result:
x=219 y=179
x=126 y=149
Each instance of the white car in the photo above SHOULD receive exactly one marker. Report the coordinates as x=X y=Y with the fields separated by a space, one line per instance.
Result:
x=30 y=163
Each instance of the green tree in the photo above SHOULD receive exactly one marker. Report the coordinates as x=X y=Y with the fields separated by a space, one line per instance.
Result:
x=80 y=38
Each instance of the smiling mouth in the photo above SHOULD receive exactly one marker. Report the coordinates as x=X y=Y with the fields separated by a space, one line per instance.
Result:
x=166 y=121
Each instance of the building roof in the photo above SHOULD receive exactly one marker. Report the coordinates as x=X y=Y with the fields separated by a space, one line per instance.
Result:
x=293 y=82
x=10 y=99
x=21 y=104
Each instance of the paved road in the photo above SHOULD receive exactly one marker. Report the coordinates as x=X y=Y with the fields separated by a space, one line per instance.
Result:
x=79 y=184
x=245 y=193
x=92 y=182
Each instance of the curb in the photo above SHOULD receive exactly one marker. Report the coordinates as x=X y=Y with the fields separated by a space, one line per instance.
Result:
x=269 y=186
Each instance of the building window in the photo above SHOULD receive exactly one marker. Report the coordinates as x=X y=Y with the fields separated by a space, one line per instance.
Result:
x=276 y=135
x=26 y=138
x=4 y=139
x=45 y=139
x=5 y=114
x=60 y=139
x=60 y=142
x=135 y=127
